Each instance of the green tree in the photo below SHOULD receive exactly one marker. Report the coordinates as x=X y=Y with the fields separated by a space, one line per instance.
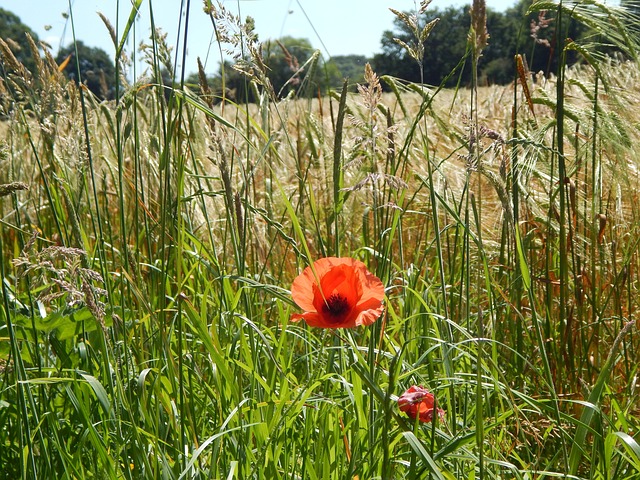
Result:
x=96 y=68
x=237 y=85
x=538 y=37
x=348 y=66
x=511 y=32
x=444 y=48
x=13 y=32
x=290 y=67
x=285 y=59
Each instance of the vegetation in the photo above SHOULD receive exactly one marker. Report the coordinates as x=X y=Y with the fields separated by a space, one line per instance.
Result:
x=93 y=66
x=14 y=32
x=349 y=66
x=447 y=54
x=154 y=322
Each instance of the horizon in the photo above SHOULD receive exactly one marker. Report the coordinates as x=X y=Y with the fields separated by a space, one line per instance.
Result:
x=273 y=20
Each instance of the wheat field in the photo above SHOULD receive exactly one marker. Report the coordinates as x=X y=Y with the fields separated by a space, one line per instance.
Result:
x=152 y=326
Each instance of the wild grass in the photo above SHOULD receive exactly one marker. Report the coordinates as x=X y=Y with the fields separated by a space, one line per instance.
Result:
x=149 y=244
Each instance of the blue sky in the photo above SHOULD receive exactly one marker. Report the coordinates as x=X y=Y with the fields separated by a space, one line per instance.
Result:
x=336 y=27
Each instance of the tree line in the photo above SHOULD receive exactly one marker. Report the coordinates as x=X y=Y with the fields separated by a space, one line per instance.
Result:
x=294 y=69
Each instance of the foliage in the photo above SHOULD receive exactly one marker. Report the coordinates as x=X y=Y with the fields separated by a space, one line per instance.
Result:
x=446 y=50
x=13 y=31
x=285 y=61
x=90 y=66
x=348 y=66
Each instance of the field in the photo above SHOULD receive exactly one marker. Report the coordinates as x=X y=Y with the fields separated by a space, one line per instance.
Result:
x=150 y=320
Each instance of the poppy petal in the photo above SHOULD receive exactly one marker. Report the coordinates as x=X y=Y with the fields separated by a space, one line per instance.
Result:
x=338 y=293
x=418 y=402
x=369 y=316
x=302 y=288
x=312 y=318
x=342 y=280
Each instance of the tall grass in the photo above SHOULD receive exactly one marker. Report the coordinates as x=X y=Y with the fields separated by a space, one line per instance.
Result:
x=148 y=247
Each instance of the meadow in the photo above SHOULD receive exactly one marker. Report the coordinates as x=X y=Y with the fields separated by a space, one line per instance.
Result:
x=149 y=247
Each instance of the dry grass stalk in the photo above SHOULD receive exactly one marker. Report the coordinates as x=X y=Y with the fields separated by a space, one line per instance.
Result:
x=11 y=61
x=536 y=28
x=371 y=93
x=479 y=24
x=523 y=76
x=416 y=49
x=9 y=188
x=59 y=271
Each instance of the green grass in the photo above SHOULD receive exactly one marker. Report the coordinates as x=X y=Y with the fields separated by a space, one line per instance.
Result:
x=145 y=327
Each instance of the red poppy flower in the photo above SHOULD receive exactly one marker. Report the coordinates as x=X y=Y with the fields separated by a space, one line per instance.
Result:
x=341 y=294
x=418 y=402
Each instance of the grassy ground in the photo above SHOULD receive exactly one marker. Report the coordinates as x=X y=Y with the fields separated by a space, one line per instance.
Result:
x=148 y=255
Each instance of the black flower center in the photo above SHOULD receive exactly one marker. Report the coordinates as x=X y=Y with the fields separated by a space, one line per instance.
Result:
x=336 y=306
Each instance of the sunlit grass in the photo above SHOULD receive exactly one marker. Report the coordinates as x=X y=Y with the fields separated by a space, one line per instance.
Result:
x=146 y=320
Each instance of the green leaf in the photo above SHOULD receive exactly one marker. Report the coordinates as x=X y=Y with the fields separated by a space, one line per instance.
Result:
x=132 y=18
x=630 y=444
x=579 y=444
x=424 y=455
x=99 y=390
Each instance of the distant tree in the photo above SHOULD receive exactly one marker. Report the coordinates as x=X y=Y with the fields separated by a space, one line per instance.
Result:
x=285 y=59
x=513 y=31
x=97 y=70
x=13 y=32
x=237 y=85
x=538 y=36
x=348 y=66
x=214 y=84
x=444 y=48
x=332 y=77
x=497 y=65
x=286 y=65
